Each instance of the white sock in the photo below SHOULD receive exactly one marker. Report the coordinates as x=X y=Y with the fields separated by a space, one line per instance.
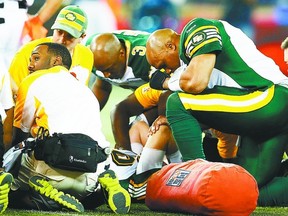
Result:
x=137 y=147
x=176 y=157
x=150 y=159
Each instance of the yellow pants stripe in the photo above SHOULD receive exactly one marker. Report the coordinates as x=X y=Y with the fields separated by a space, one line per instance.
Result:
x=227 y=103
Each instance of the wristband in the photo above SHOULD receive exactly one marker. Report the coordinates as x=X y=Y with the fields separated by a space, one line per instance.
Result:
x=173 y=82
x=157 y=79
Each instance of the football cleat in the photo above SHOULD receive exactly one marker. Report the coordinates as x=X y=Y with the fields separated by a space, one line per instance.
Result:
x=48 y=198
x=118 y=198
x=6 y=180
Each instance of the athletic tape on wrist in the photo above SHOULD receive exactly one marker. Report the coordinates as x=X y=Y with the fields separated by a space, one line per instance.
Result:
x=173 y=82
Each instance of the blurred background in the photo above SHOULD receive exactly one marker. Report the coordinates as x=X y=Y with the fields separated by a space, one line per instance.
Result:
x=264 y=21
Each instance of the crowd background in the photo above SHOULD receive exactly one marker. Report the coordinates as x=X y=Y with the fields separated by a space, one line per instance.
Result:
x=264 y=21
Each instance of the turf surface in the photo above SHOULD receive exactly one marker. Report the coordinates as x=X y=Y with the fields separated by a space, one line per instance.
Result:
x=118 y=94
x=140 y=209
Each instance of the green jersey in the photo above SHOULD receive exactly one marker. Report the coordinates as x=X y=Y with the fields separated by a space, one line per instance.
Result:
x=138 y=69
x=256 y=111
x=237 y=56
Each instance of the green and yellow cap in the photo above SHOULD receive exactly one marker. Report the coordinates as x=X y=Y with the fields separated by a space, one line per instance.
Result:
x=71 y=19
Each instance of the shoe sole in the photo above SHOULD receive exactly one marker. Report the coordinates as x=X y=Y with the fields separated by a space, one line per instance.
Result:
x=118 y=200
x=119 y=203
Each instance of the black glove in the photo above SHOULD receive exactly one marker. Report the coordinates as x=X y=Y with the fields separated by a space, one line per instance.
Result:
x=157 y=79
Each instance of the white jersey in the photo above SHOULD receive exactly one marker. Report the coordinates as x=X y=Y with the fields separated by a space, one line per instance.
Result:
x=57 y=101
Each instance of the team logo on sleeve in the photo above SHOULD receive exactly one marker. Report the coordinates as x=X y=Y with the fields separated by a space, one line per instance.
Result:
x=177 y=177
x=198 y=38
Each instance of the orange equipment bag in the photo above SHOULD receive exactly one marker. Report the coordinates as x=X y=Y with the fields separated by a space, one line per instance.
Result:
x=202 y=187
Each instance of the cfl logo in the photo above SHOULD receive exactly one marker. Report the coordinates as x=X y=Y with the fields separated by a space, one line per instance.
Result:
x=198 y=38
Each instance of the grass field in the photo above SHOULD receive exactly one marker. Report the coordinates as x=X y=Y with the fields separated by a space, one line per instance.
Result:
x=116 y=96
x=139 y=210
x=136 y=209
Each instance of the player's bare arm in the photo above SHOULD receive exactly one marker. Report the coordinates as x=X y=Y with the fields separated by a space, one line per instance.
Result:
x=101 y=90
x=197 y=74
x=120 y=116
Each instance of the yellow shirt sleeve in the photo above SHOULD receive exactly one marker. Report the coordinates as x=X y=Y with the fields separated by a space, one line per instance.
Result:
x=147 y=96
x=19 y=113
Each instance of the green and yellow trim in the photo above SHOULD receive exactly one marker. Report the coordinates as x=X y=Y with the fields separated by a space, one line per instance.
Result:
x=227 y=103
x=202 y=44
x=197 y=47
x=76 y=23
x=197 y=30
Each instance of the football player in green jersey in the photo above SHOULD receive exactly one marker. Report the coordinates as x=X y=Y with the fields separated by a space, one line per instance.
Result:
x=120 y=59
x=252 y=103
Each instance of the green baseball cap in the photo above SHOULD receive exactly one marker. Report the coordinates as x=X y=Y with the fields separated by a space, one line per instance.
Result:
x=71 y=19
